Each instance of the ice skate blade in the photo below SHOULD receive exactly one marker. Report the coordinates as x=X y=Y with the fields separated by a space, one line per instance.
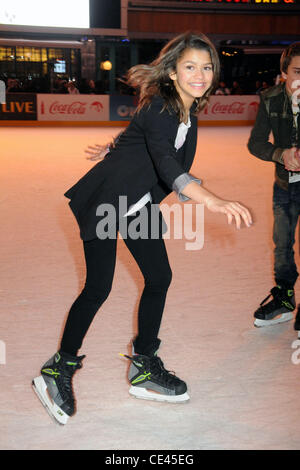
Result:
x=280 y=319
x=144 y=394
x=40 y=388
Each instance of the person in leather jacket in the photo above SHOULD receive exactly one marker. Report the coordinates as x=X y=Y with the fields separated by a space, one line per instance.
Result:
x=279 y=113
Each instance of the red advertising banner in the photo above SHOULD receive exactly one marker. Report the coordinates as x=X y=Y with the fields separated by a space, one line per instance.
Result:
x=73 y=107
x=104 y=108
x=231 y=108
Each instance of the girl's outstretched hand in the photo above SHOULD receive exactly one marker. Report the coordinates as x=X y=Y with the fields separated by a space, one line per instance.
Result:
x=213 y=203
x=97 y=152
x=230 y=209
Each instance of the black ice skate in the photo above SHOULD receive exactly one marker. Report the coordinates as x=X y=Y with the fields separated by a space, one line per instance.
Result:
x=54 y=386
x=278 y=310
x=297 y=321
x=151 y=381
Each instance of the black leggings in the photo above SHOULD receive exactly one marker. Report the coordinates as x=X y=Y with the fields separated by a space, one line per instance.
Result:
x=100 y=255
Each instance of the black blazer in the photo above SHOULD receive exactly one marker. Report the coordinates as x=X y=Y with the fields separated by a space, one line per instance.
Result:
x=143 y=160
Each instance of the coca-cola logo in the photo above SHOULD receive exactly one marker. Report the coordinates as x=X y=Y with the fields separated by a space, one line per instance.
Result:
x=237 y=107
x=77 y=107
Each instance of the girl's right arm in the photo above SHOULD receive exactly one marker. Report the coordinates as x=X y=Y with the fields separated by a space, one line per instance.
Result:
x=97 y=152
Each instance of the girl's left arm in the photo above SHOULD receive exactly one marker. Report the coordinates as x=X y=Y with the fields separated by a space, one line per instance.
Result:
x=213 y=203
x=160 y=129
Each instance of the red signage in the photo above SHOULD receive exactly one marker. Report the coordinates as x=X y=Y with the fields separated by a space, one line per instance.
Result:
x=73 y=108
x=231 y=108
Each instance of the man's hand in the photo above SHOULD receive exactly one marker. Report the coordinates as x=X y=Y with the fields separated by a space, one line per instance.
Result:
x=291 y=158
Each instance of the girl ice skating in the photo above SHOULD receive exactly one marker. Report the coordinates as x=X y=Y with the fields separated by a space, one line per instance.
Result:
x=148 y=161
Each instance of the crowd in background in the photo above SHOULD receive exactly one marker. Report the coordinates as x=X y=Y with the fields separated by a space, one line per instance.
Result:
x=236 y=89
x=59 y=85
x=84 y=86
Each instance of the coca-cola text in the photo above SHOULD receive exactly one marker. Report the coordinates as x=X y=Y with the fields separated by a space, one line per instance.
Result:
x=77 y=107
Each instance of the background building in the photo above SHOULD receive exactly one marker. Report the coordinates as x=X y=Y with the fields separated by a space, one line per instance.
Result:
x=249 y=34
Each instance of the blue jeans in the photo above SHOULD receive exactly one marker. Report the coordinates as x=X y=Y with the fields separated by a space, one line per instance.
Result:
x=286 y=210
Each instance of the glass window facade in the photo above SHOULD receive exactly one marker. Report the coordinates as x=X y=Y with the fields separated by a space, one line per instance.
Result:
x=36 y=68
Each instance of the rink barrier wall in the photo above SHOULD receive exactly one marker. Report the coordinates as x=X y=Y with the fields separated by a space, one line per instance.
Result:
x=29 y=109
x=109 y=123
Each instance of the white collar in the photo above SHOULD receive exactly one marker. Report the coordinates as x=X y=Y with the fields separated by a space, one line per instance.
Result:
x=188 y=124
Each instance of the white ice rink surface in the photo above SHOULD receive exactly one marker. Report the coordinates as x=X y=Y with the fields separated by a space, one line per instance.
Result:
x=243 y=381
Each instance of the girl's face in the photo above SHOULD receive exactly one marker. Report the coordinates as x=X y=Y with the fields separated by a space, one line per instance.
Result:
x=193 y=75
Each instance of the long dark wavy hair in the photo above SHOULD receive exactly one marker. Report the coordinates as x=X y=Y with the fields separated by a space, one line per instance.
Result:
x=153 y=79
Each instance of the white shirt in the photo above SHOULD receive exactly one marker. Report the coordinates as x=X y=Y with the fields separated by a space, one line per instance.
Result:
x=179 y=141
x=294 y=177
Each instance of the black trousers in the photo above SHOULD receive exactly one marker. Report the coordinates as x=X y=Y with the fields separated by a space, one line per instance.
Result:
x=100 y=255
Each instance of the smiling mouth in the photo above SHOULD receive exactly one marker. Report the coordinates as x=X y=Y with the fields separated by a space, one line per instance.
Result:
x=198 y=85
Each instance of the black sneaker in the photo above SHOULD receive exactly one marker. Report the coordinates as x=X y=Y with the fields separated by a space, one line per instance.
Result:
x=278 y=310
x=54 y=385
x=151 y=381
